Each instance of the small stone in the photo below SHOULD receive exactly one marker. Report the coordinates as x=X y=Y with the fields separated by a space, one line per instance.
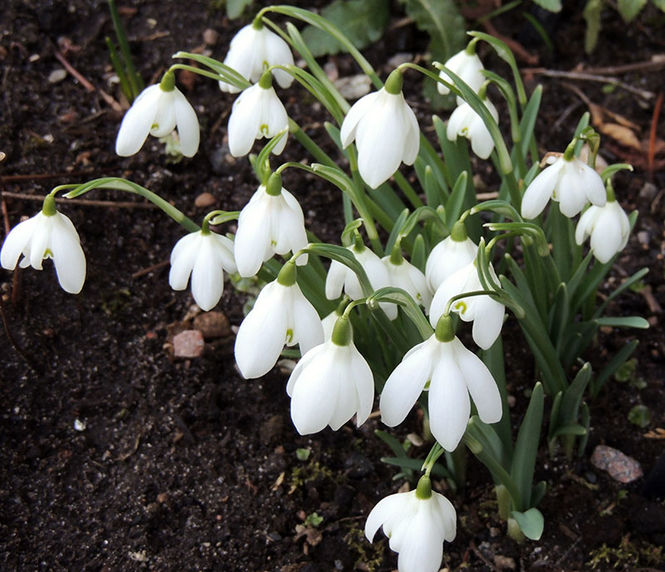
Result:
x=618 y=465
x=79 y=425
x=504 y=562
x=210 y=36
x=643 y=237
x=648 y=191
x=213 y=325
x=188 y=344
x=331 y=70
x=353 y=87
x=56 y=76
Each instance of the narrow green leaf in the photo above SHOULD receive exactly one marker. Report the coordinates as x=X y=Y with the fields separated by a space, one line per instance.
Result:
x=526 y=447
x=551 y=5
x=531 y=523
x=629 y=9
x=591 y=13
x=624 y=322
x=235 y=8
x=574 y=429
x=528 y=122
x=610 y=369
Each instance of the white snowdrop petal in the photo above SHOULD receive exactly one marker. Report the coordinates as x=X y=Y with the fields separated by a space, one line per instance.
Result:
x=487 y=321
x=585 y=224
x=423 y=549
x=592 y=184
x=363 y=382
x=606 y=237
x=448 y=516
x=187 y=124
x=68 y=256
x=386 y=508
x=252 y=240
x=406 y=383
x=16 y=242
x=571 y=189
x=244 y=122
x=448 y=401
x=358 y=110
x=39 y=244
x=137 y=122
x=539 y=192
x=480 y=383
x=307 y=328
x=164 y=121
x=412 y=136
x=207 y=276
x=335 y=280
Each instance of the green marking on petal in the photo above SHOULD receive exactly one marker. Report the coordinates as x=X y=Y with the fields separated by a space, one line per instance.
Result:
x=264 y=129
x=461 y=306
x=289 y=336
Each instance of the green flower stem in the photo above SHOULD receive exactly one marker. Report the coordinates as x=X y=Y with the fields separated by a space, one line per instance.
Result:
x=308 y=143
x=435 y=452
x=463 y=295
x=321 y=23
x=223 y=71
x=193 y=69
x=120 y=184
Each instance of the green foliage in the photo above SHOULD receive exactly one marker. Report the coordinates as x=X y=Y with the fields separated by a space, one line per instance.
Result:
x=640 y=415
x=235 y=8
x=551 y=5
x=628 y=555
x=629 y=9
x=314 y=520
x=362 y=21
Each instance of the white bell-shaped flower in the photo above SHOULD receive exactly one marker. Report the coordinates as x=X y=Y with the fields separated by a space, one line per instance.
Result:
x=385 y=130
x=342 y=278
x=257 y=113
x=158 y=110
x=48 y=234
x=608 y=228
x=330 y=384
x=484 y=311
x=406 y=276
x=253 y=50
x=271 y=223
x=465 y=122
x=453 y=372
x=571 y=182
x=449 y=255
x=204 y=255
x=417 y=523
x=281 y=315
x=467 y=66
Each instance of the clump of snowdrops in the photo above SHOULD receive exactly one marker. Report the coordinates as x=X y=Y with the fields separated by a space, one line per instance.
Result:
x=421 y=259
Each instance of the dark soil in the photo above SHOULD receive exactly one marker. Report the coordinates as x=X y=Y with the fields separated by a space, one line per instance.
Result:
x=115 y=456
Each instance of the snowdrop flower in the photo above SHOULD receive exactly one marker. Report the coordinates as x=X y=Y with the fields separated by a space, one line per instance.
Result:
x=484 y=311
x=567 y=180
x=607 y=226
x=417 y=523
x=466 y=65
x=406 y=276
x=341 y=277
x=452 y=372
x=331 y=384
x=385 y=130
x=253 y=50
x=281 y=315
x=271 y=223
x=158 y=110
x=465 y=122
x=204 y=255
x=48 y=234
x=257 y=113
x=449 y=255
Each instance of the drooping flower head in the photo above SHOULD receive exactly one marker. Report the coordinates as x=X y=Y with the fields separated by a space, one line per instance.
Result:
x=465 y=122
x=453 y=372
x=331 y=383
x=204 y=255
x=449 y=255
x=342 y=278
x=257 y=113
x=271 y=223
x=608 y=227
x=281 y=315
x=253 y=50
x=406 y=276
x=48 y=234
x=485 y=312
x=385 y=130
x=158 y=110
x=417 y=523
x=567 y=180
x=467 y=65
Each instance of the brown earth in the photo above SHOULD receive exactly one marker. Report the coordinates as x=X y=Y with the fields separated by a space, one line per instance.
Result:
x=117 y=457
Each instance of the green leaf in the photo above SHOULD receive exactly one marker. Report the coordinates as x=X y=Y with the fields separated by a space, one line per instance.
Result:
x=611 y=368
x=526 y=447
x=551 y=5
x=591 y=13
x=640 y=415
x=629 y=9
x=627 y=322
x=660 y=4
x=235 y=8
x=362 y=21
x=531 y=523
x=442 y=21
